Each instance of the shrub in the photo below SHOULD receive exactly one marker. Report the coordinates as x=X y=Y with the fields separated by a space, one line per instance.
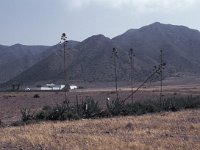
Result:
x=175 y=104
x=44 y=114
x=2 y=124
x=116 y=107
x=139 y=108
x=104 y=114
x=26 y=115
x=57 y=112
x=71 y=115
x=152 y=108
x=89 y=108
x=41 y=115
x=36 y=96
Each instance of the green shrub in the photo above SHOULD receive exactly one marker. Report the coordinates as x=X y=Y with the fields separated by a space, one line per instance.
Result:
x=90 y=108
x=57 y=112
x=116 y=107
x=175 y=104
x=71 y=115
x=151 y=108
x=26 y=115
x=44 y=114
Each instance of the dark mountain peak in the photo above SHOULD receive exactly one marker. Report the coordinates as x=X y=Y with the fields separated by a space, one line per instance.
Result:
x=93 y=41
x=17 y=45
x=174 y=31
x=97 y=37
x=151 y=27
x=130 y=31
x=157 y=24
x=162 y=26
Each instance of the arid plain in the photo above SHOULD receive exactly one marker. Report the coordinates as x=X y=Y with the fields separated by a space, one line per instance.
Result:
x=168 y=130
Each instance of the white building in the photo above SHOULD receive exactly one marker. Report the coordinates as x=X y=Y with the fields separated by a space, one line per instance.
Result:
x=72 y=87
x=51 y=86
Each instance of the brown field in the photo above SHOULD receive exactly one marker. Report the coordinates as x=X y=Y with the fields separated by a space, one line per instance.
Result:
x=180 y=130
x=177 y=131
x=12 y=102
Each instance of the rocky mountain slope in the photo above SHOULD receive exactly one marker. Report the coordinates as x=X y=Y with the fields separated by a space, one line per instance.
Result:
x=91 y=60
x=17 y=58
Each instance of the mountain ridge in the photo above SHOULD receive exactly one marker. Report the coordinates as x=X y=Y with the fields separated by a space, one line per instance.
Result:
x=91 y=59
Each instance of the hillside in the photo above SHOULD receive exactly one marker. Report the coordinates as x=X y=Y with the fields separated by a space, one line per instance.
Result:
x=91 y=59
x=180 y=131
x=17 y=58
x=180 y=45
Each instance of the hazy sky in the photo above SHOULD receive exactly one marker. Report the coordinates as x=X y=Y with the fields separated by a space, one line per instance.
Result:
x=34 y=22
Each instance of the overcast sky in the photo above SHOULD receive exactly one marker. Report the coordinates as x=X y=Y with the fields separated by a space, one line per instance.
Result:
x=42 y=22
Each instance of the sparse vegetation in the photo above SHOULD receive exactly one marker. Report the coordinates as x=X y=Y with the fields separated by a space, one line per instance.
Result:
x=87 y=109
x=177 y=130
x=118 y=107
x=91 y=109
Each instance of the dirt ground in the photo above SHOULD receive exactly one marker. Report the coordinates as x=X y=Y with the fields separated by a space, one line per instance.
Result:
x=169 y=130
x=12 y=102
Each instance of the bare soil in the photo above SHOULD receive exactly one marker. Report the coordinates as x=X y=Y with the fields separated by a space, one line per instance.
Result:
x=12 y=102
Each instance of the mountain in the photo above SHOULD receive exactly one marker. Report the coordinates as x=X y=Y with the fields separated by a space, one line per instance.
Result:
x=91 y=59
x=181 y=46
x=77 y=58
x=17 y=58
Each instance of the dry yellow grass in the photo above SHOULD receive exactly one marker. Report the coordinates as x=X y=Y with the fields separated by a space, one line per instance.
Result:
x=178 y=131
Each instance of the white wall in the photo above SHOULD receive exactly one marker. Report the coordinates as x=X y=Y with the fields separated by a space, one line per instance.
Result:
x=72 y=87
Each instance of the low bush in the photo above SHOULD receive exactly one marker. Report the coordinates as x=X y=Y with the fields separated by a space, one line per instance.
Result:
x=87 y=109
x=26 y=115
x=116 y=107
x=90 y=109
x=36 y=96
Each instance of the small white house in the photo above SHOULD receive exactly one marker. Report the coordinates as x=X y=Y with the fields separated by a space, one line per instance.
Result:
x=51 y=86
x=72 y=87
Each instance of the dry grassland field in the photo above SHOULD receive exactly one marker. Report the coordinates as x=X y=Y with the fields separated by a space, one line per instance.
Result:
x=170 y=130
x=176 y=131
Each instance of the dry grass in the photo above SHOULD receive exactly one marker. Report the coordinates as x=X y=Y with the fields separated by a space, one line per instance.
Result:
x=179 y=131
